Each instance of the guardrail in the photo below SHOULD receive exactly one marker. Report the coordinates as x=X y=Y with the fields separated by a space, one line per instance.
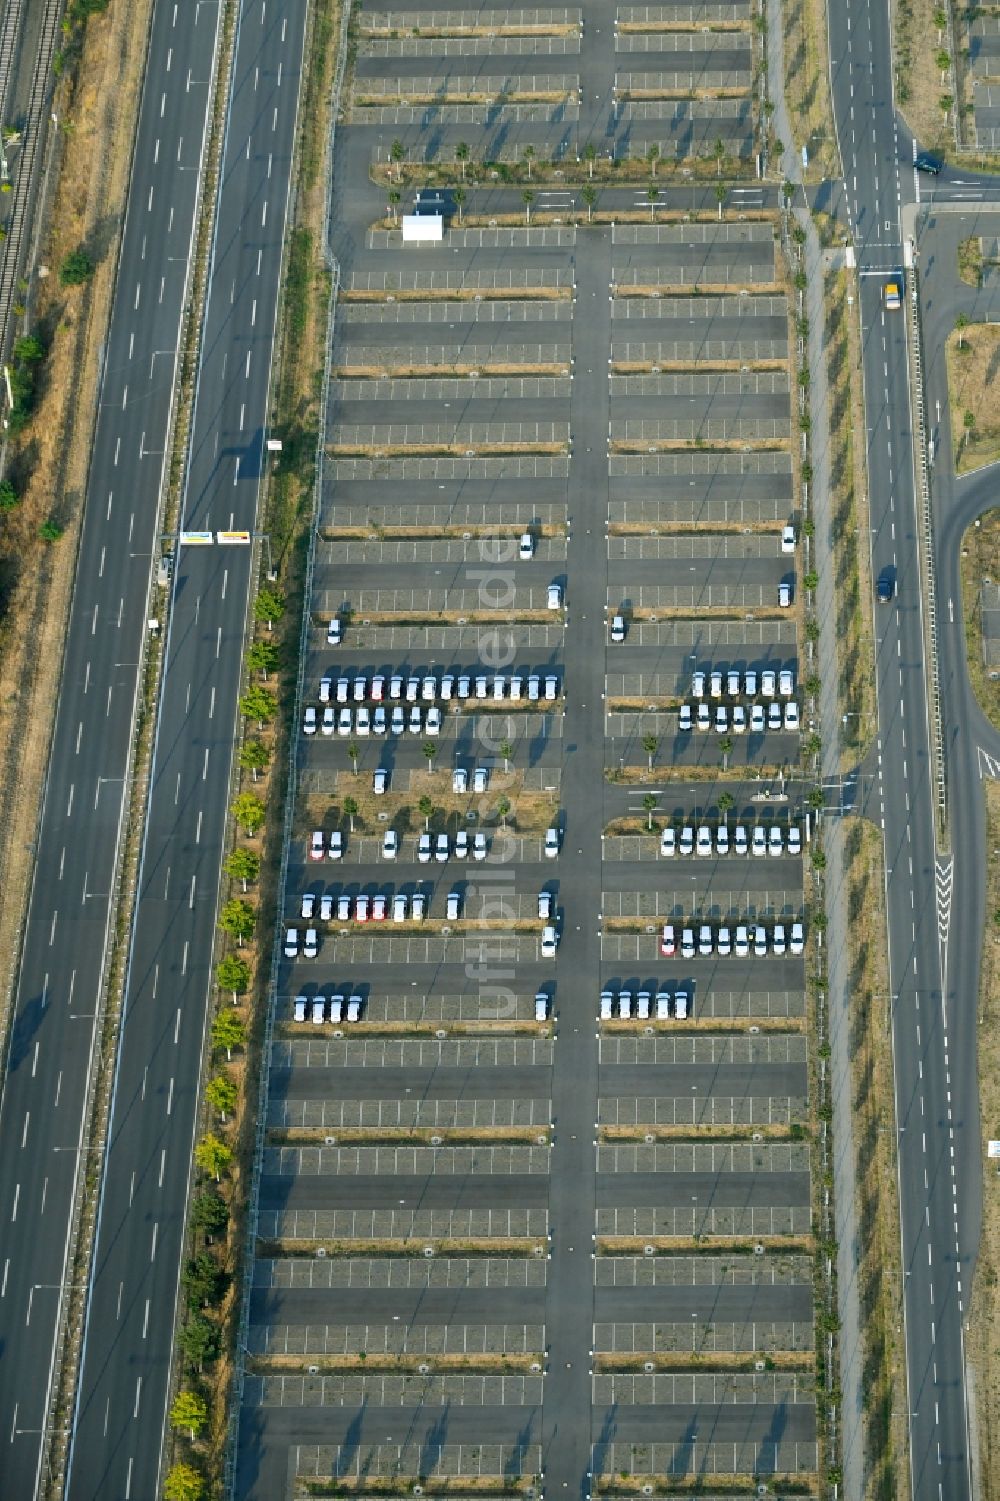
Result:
x=926 y=549
x=253 y=1198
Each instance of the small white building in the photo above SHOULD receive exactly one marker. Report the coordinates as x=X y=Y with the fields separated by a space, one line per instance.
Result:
x=423 y=229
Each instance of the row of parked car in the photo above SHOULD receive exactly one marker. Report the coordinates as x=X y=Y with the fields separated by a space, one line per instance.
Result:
x=441 y=847
x=377 y=721
x=736 y=720
x=318 y=1010
x=643 y=1004
x=743 y=940
x=375 y=906
x=428 y=688
x=773 y=840
x=773 y=682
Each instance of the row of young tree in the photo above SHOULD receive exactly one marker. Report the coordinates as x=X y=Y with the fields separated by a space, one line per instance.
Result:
x=207 y=1276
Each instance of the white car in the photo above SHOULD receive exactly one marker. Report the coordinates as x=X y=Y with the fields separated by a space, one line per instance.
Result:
x=461 y=845
x=460 y=780
x=325 y=688
x=526 y=546
x=463 y=688
x=704 y=720
x=300 y=1008
x=703 y=844
x=759 y=942
x=687 y=943
x=794 y=840
x=447 y=688
x=397 y=724
x=362 y=907
x=617 y=628
x=415 y=719
x=482 y=687
x=541 y=1006
x=412 y=690
x=345 y=721
x=786 y=682
x=433 y=725
x=390 y=844
x=334 y=632
x=668 y=842
x=453 y=906
x=344 y=907
x=291 y=943
x=395 y=687
x=479 y=846
x=378 y=720
x=380 y=781
x=698 y=685
x=739 y=725
x=545 y=901
x=685 y=844
x=428 y=689
x=336 y=1008
x=343 y=690
x=788 y=539
x=642 y=1001
x=354 y=1008
x=741 y=843
x=662 y=1006
x=378 y=688
x=722 y=840
x=724 y=943
x=774 y=720
x=758 y=840
x=607 y=1005
x=549 y=942
x=310 y=944
x=534 y=688
x=336 y=849
x=778 y=939
x=363 y=720
x=553 y=598
x=768 y=682
x=325 y=907
x=704 y=940
x=775 y=842
x=668 y=943
x=784 y=595
x=721 y=719
x=551 y=688
x=551 y=843
x=442 y=849
x=758 y=723
x=516 y=687
x=742 y=941
x=317 y=845
x=681 y=1005
x=360 y=692
x=418 y=906
x=499 y=684
x=715 y=684
x=319 y=1011
x=733 y=683
x=308 y=904
x=684 y=722
x=309 y=720
x=624 y=1003
x=796 y=938
x=480 y=779
x=750 y=682
x=791 y=714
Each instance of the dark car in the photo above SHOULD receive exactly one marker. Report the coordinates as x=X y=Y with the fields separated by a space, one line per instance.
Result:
x=885 y=587
x=925 y=162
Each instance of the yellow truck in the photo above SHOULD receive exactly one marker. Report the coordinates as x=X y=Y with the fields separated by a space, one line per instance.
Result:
x=892 y=296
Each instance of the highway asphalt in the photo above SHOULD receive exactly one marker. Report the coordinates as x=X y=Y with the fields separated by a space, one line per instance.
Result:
x=119 y=1419
x=45 y=1085
x=932 y=978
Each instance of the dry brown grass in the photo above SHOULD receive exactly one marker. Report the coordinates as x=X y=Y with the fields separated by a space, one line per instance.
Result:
x=710 y=1360
x=459 y=294
x=918 y=78
x=694 y=367
x=393 y=100
x=801 y=1483
x=703 y=1133
x=807 y=90
x=336 y=1487
x=719 y=1025
x=873 y=1100
x=983 y=1325
x=444 y=372
x=440 y=450
x=281 y=1365
x=980 y=560
x=414 y=1247
x=518 y=28
x=973 y=358
x=530 y=812
x=708 y=1245
x=450 y=1136
x=970 y=261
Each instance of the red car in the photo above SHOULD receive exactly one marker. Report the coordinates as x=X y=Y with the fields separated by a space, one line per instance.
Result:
x=667 y=945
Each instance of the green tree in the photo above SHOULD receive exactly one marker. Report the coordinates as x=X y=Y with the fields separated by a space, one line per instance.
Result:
x=426 y=809
x=183 y=1482
x=943 y=61
x=649 y=745
x=189 y=1413
x=719 y=152
x=228 y=1031
x=263 y=656
x=506 y=750
x=527 y=198
x=652 y=157
x=50 y=530
x=351 y=811
x=269 y=606
x=810 y=579
x=462 y=155
x=945 y=104
x=258 y=704
x=199 y=1339
x=649 y=803
x=203 y=1281
x=726 y=801
x=940 y=21
x=818 y=858
x=813 y=745
x=726 y=747
x=961 y=324
x=430 y=751
x=589 y=195
x=233 y=974
x=209 y=1213
x=28 y=349
x=8 y=495
x=254 y=757
x=354 y=752
x=590 y=156
x=720 y=195
x=397 y=152
x=394 y=199
x=248 y=811
x=222 y=1094
x=243 y=865
x=77 y=267
x=238 y=919
x=503 y=808
x=528 y=153
x=816 y=799
x=652 y=194
x=459 y=197
x=212 y=1156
